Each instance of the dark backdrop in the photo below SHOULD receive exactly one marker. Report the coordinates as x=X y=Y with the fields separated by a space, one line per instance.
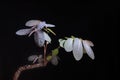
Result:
x=92 y=20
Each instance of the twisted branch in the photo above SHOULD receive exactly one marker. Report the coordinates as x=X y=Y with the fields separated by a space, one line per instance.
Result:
x=27 y=67
x=43 y=63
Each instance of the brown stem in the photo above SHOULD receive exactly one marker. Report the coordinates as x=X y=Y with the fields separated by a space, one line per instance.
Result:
x=27 y=67
x=45 y=49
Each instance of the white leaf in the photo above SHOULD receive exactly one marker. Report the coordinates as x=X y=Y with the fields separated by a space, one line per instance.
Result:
x=39 y=38
x=49 y=25
x=31 y=23
x=41 y=25
x=32 y=57
x=61 y=42
x=47 y=37
x=89 y=42
x=54 y=60
x=88 y=49
x=23 y=32
x=40 y=58
x=68 y=45
x=77 y=49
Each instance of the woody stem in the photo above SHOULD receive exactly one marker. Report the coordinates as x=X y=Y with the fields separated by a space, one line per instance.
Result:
x=27 y=67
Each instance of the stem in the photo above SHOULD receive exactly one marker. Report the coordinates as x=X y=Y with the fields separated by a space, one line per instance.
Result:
x=27 y=67
x=45 y=49
x=32 y=66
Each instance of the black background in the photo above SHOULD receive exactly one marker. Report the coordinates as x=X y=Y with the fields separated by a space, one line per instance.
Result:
x=92 y=20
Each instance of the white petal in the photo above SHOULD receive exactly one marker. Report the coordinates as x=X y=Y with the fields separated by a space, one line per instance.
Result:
x=77 y=49
x=49 y=25
x=47 y=37
x=41 y=25
x=68 y=45
x=89 y=42
x=39 y=38
x=32 y=57
x=31 y=23
x=88 y=49
x=61 y=42
x=23 y=32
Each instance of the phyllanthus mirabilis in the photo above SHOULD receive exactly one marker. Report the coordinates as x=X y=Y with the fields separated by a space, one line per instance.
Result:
x=40 y=30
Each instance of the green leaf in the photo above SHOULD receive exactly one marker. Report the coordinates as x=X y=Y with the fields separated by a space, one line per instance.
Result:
x=49 y=58
x=72 y=36
x=66 y=37
x=55 y=52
